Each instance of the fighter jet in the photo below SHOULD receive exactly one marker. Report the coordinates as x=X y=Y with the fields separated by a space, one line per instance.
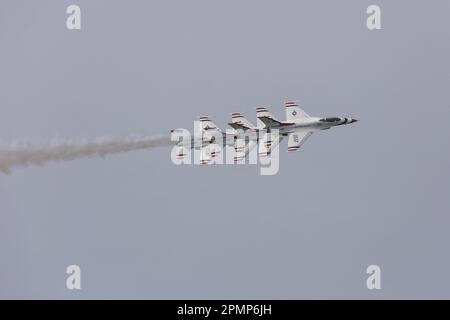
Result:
x=297 y=127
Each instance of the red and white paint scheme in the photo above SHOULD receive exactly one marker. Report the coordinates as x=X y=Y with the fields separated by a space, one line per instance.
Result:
x=297 y=127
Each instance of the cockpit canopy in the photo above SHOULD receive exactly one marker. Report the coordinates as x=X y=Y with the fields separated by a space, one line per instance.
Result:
x=333 y=119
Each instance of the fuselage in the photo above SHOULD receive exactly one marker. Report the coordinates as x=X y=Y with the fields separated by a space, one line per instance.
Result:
x=313 y=124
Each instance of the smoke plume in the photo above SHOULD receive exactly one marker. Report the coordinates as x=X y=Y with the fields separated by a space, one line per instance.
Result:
x=26 y=154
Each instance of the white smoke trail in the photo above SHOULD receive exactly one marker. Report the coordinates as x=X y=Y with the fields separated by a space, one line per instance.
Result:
x=26 y=154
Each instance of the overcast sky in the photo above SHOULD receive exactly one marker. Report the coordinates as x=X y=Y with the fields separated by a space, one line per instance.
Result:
x=375 y=192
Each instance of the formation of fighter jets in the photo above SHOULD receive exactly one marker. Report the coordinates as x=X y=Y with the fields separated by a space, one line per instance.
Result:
x=297 y=127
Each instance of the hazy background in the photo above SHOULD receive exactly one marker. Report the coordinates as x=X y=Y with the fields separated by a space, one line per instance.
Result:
x=376 y=192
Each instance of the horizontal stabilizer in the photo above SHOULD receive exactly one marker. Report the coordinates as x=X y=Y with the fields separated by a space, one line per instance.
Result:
x=237 y=126
x=267 y=120
x=272 y=123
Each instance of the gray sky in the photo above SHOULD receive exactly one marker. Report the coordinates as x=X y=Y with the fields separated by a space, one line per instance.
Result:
x=140 y=227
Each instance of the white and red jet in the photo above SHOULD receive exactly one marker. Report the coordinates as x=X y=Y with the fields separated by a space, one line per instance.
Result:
x=298 y=127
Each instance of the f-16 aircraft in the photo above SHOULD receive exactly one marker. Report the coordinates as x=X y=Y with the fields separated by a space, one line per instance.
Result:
x=298 y=127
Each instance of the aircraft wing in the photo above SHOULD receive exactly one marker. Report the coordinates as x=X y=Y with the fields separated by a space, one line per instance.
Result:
x=296 y=139
x=237 y=126
x=272 y=123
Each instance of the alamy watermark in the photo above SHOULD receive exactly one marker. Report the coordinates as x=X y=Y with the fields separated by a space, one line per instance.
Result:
x=73 y=281
x=373 y=21
x=374 y=280
x=230 y=147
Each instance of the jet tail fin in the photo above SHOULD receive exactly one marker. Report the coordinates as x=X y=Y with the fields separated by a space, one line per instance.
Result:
x=294 y=112
x=264 y=117
x=206 y=124
x=238 y=121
